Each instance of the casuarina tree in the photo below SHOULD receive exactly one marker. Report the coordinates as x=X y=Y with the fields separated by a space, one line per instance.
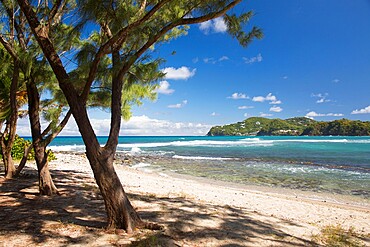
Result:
x=128 y=32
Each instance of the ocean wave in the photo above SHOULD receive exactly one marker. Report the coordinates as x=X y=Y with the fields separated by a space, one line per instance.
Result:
x=315 y=141
x=143 y=145
x=324 y=141
x=135 y=150
x=209 y=143
x=199 y=158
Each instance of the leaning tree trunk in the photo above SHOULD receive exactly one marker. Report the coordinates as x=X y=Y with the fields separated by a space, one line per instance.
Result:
x=46 y=185
x=23 y=162
x=120 y=212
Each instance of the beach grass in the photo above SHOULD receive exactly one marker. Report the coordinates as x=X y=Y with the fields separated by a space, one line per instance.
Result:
x=337 y=235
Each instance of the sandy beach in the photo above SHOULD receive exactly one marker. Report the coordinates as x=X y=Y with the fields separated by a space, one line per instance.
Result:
x=194 y=211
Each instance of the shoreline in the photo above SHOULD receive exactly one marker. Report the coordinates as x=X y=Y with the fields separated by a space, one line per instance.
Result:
x=335 y=199
x=325 y=198
x=313 y=208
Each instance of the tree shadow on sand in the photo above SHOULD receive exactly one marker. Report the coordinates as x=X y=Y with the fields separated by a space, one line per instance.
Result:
x=77 y=216
x=23 y=211
x=200 y=224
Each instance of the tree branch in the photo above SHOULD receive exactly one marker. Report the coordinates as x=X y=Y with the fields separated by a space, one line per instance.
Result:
x=116 y=40
x=9 y=48
x=54 y=11
x=49 y=51
x=20 y=33
x=60 y=127
x=164 y=30
x=77 y=106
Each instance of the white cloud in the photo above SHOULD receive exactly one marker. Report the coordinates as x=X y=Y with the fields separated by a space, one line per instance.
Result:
x=205 y=26
x=143 y=125
x=256 y=59
x=244 y=107
x=212 y=60
x=179 y=105
x=209 y=60
x=182 y=73
x=276 y=108
x=137 y=125
x=214 y=114
x=195 y=60
x=258 y=99
x=285 y=77
x=223 y=58
x=217 y=25
x=365 y=110
x=322 y=98
x=269 y=97
x=164 y=88
x=313 y=114
x=238 y=96
x=246 y=115
x=336 y=80
x=275 y=102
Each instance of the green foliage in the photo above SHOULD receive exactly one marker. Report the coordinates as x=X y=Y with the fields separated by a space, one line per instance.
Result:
x=129 y=18
x=18 y=150
x=5 y=81
x=292 y=127
x=338 y=236
x=342 y=127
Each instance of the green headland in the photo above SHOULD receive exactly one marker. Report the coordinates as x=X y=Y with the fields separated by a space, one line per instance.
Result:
x=298 y=126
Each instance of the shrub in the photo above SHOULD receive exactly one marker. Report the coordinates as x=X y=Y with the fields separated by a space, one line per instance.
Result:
x=18 y=150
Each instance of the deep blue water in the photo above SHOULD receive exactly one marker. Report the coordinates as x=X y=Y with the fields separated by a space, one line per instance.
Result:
x=335 y=164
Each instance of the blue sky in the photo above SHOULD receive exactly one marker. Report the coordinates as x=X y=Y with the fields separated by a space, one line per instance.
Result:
x=314 y=61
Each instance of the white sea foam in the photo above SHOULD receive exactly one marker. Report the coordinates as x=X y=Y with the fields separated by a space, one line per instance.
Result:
x=140 y=165
x=144 y=145
x=323 y=141
x=245 y=142
x=242 y=142
x=199 y=158
x=314 y=140
x=68 y=148
x=135 y=150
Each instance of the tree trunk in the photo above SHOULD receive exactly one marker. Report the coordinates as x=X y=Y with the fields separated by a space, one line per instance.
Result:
x=120 y=212
x=47 y=141
x=7 y=160
x=8 y=137
x=46 y=184
x=10 y=170
x=23 y=162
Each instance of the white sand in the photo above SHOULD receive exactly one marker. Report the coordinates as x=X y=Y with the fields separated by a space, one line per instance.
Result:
x=299 y=214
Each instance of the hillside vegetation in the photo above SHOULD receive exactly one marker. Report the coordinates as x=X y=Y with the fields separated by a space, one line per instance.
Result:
x=260 y=126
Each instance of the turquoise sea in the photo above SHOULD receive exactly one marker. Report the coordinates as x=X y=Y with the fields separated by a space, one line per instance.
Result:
x=338 y=165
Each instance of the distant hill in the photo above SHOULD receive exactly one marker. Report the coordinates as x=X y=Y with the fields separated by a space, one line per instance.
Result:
x=297 y=126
